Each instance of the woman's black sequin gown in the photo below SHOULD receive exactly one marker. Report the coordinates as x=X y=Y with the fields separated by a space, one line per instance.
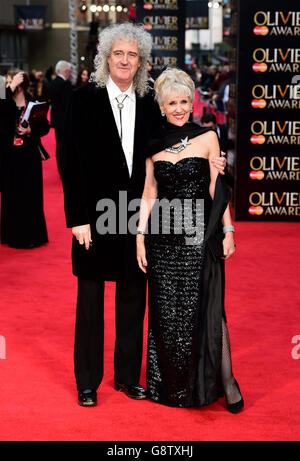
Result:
x=176 y=315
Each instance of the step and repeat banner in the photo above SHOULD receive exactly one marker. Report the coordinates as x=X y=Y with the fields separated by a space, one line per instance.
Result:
x=268 y=103
x=165 y=20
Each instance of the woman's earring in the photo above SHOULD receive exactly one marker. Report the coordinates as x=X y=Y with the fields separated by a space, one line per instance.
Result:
x=163 y=114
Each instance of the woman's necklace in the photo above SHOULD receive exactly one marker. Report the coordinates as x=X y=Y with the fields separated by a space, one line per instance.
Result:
x=182 y=146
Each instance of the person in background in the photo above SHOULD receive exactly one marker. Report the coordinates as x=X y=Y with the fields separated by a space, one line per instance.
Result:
x=23 y=222
x=83 y=77
x=60 y=92
x=50 y=74
x=209 y=120
x=41 y=89
x=209 y=78
x=32 y=81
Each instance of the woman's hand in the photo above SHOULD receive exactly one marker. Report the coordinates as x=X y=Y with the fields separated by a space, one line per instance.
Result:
x=219 y=163
x=16 y=81
x=23 y=131
x=83 y=235
x=141 y=252
x=228 y=245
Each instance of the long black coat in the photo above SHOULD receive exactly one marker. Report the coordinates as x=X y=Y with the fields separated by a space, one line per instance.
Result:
x=21 y=180
x=96 y=169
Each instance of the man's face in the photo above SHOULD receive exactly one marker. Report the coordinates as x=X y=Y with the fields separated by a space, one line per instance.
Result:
x=123 y=62
x=67 y=73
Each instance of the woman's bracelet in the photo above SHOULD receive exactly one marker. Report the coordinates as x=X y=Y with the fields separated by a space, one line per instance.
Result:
x=228 y=229
x=141 y=232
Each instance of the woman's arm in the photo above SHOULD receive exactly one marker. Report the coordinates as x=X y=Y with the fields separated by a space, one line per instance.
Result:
x=228 y=242
x=214 y=150
x=147 y=202
x=16 y=81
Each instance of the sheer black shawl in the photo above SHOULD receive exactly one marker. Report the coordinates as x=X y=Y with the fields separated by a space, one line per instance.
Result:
x=168 y=135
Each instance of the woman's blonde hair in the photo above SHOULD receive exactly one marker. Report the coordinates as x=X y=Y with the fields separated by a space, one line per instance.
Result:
x=173 y=79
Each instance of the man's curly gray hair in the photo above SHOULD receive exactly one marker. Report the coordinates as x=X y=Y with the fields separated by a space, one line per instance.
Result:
x=127 y=32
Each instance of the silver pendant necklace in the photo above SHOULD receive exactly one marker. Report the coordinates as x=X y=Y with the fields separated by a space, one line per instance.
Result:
x=175 y=150
x=120 y=104
x=120 y=107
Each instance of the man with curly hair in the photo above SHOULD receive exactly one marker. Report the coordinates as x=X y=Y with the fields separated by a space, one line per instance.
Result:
x=108 y=124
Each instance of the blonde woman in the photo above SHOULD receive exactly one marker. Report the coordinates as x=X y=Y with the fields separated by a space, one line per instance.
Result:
x=182 y=248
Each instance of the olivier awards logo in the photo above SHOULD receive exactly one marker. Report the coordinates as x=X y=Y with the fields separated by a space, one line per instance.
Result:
x=275 y=132
x=169 y=43
x=276 y=96
x=275 y=168
x=276 y=60
x=160 y=4
x=274 y=203
x=160 y=62
x=270 y=173
x=161 y=22
x=277 y=23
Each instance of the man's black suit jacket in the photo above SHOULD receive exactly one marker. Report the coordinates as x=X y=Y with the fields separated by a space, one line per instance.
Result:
x=96 y=169
x=60 y=92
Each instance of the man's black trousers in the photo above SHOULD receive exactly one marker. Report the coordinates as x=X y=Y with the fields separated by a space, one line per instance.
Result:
x=89 y=332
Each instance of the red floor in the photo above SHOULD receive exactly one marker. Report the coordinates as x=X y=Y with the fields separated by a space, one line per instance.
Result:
x=37 y=312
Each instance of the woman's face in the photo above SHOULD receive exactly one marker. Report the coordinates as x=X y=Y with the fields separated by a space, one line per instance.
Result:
x=8 y=80
x=177 y=107
x=84 y=76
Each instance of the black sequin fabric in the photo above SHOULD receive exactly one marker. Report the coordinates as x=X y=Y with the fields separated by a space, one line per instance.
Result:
x=174 y=278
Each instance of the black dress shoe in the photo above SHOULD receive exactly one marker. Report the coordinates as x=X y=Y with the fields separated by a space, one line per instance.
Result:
x=238 y=406
x=87 y=398
x=134 y=391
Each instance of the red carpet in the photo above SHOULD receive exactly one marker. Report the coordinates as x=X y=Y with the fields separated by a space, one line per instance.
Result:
x=38 y=399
